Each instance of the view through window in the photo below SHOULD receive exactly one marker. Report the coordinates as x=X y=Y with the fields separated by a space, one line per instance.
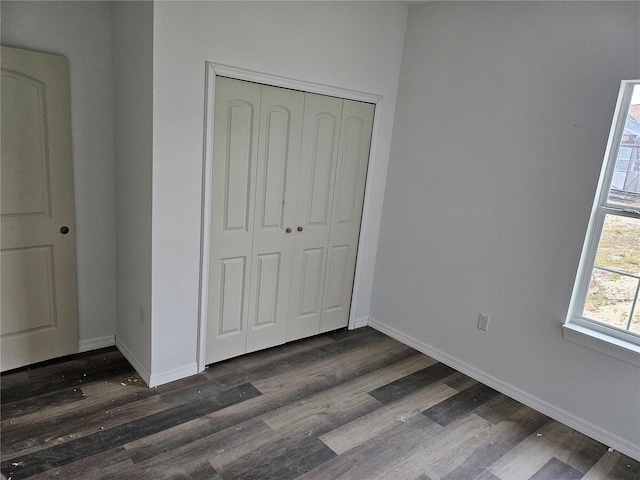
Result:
x=614 y=284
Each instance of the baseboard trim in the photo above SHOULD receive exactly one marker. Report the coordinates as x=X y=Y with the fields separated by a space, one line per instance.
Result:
x=96 y=343
x=359 y=323
x=173 y=374
x=134 y=361
x=541 y=406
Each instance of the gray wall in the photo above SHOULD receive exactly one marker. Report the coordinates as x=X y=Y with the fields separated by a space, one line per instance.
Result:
x=133 y=109
x=81 y=31
x=502 y=120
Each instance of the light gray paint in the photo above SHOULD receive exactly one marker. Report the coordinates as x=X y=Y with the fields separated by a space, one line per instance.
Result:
x=502 y=120
x=133 y=89
x=81 y=31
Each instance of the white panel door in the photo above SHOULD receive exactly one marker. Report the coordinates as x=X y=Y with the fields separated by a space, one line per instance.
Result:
x=320 y=136
x=39 y=305
x=348 y=198
x=280 y=135
x=235 y=140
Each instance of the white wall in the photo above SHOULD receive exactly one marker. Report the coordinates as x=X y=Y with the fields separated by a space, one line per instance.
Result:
x=503 y=115
x=133 y=109
x=81 y=31
x=351 y=45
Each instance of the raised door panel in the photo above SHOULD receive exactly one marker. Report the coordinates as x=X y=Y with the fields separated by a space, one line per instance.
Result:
x=318 y=160
x=234 y=166
x=281 y=115
x=24 y=154
x=39 y=303
x=348 y=199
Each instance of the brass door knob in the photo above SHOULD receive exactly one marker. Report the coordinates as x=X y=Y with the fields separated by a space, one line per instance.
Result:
x=288 y=230
x=299 y=229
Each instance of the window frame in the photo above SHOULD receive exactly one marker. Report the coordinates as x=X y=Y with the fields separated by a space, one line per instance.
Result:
x=610 y=340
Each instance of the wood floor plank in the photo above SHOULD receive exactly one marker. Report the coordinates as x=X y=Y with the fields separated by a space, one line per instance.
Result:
x=77 y=372
x=23 y=439
x=553 y=440
x=379 y=457
x=409 y=384
x=191 y=432
x=199 y=428
x=35 y=404
x=486 y=475
x=556 y=469
x=460 y=404
x=498 y=409
x=614 y=466
x=436 y=455
x=336 y=403
x=112 y=462
x=503 y=437
x=405 y=410
x=105 y=404
x=75 y=450
x=285 y=460
x=264 y=364
x=347 y=405
x=219 y=449
x=460 y=381
x=333 y=370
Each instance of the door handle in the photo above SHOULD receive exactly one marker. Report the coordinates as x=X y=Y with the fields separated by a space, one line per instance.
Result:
x=64 y=230
x=299 y=229
x=288 y=230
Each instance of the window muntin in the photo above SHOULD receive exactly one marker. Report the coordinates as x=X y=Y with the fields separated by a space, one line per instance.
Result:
x=606 y=295
x=612 y=296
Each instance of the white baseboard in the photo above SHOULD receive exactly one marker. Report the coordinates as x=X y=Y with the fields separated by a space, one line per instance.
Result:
x=173 y=374
x=359 y=323
x=607 y=438
x=155 y=379
x=96 y=343
x=134 y=361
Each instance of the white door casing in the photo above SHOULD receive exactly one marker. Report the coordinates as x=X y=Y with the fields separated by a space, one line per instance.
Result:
x=328 y=299
x=39 y=301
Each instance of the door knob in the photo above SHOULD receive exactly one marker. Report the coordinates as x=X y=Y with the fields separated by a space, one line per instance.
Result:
x=288 y=230
x=64 y=230
x=299 y=229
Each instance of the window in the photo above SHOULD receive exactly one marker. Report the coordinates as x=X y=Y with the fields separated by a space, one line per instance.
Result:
x=605 y=305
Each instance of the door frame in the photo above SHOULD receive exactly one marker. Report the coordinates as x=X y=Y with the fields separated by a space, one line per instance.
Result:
x=214 y=70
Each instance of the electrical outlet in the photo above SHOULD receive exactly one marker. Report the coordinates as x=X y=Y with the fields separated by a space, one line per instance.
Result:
x=142 y=317
x=483 y=322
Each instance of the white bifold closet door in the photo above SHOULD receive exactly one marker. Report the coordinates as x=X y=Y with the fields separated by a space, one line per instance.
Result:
x=288 y=177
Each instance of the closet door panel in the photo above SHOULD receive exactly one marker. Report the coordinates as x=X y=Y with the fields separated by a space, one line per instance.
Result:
x=232 y=281
x=236 y=116
x=347 y=202
x=281 y=114
x=318 y=158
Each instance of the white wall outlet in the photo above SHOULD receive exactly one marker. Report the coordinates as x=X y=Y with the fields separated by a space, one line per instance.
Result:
x=483 y=322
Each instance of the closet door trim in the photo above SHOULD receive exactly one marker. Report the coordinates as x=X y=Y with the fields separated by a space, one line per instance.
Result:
x=214 y=70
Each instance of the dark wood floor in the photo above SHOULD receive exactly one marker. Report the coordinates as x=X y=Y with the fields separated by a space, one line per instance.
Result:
x=347 y=405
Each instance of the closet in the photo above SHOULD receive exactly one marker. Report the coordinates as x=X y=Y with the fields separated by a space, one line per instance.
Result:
x=288 y=179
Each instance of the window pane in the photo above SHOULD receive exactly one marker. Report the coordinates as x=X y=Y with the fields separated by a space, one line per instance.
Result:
x=625 y=184
x=610 y=298
x=619 y=247
x=614 y=280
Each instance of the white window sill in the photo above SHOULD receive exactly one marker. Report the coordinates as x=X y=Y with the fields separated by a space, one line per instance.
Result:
x=600 y=342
